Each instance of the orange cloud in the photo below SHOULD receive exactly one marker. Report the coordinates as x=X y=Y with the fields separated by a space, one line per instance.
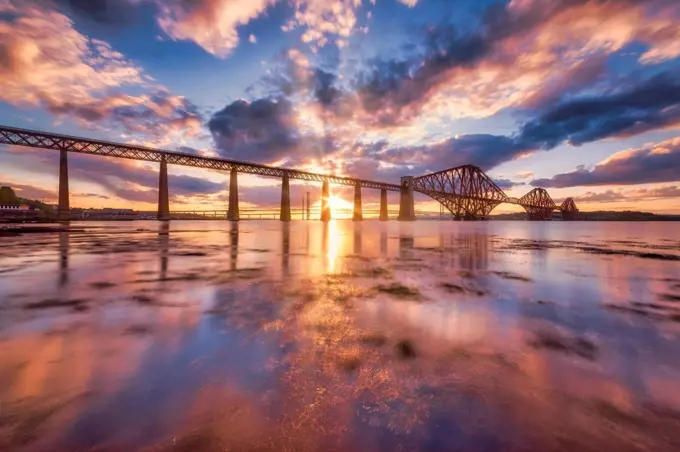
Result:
x=648 y=164
x=529 y=54
x=39 y=68
x=45 y=62
x=212 y=24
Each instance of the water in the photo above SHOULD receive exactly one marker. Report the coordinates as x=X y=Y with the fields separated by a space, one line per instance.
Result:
x=366 y=337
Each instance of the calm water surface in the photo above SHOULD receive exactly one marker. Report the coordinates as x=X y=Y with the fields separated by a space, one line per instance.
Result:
x=432 y=336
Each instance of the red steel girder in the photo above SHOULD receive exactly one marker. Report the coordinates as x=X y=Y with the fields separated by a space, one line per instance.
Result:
x=568 y=205
x=538 y=204
x=569 y=210
x=537 y=198
x=465 y=191
x=45 y=140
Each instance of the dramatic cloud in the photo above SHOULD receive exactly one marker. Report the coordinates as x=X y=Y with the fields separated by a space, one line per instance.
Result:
x=506 y=184
x=264 y=129
x=271 y=130
x=324 y=20
x=395 y=90
x=671 y=191
x=310 y=114
x=606 y=196
x=39 y=68
x=267 y=130
x=653 y=104
x=525 y=53
x=327 y=21
x=325 y=90
x=158 y=114
x=45 y=62
x=212 y=24
x=485 y=151
x=657 y=163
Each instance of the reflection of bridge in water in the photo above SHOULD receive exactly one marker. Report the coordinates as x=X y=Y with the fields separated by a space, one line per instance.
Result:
x=274 y=214
x=466 y=191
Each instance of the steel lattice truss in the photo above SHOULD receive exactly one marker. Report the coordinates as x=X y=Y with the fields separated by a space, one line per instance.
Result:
x=44 y=140
x=569 y=205
x=465 y=191
x=538 y=204
x=569 y=209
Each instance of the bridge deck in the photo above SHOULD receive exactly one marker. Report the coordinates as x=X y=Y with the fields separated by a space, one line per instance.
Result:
x=45 y=140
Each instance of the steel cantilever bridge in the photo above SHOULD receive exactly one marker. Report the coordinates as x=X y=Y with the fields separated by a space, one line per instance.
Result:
x=466 y=191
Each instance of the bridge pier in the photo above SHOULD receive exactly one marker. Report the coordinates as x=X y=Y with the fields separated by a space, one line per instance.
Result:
x=64 y=210
x=540 y=214
x=569 y=215
x=358 y=211
x=232 y=212
x=163 y=197
x=325 y=202
x=383 y=205
x=285 y=199
x=569 y=210
x=407 y=211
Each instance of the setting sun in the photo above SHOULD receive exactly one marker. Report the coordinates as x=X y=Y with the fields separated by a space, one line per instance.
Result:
x=336 y=203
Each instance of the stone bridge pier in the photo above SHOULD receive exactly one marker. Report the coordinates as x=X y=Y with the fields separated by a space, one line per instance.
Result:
x=407 y=211
x=383 y=205
x=63 y=210
x=232 y=212
x=285 y=199
x=358 y=211
x=163 y=195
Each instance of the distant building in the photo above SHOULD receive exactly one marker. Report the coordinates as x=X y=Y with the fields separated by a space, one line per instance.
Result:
x=15 y=207
x=14 y=212
x=118 y=211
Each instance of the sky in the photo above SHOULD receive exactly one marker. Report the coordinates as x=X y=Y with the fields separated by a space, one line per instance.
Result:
x=581 y=97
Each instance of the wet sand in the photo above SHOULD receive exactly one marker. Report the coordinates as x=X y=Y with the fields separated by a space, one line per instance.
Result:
x=430 y=336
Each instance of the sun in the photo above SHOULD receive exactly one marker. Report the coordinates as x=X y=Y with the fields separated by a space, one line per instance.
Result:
x=336 y=203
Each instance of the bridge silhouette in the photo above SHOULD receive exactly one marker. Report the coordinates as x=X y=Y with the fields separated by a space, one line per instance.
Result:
x=466 y=191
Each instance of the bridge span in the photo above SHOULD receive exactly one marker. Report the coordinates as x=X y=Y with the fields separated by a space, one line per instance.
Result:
x=466 y=191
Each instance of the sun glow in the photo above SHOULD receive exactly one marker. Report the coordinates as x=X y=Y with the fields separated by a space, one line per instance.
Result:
x=332 y=244
x=336 y=203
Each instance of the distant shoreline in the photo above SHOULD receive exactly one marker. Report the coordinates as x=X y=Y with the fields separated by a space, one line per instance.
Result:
x=602 y=215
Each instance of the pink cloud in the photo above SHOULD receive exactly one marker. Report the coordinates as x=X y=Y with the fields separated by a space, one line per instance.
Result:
x=655 y=163
x=640 y=194
x=212 y=24
x=323 y=20
x=45 y=62
x=529 y=54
